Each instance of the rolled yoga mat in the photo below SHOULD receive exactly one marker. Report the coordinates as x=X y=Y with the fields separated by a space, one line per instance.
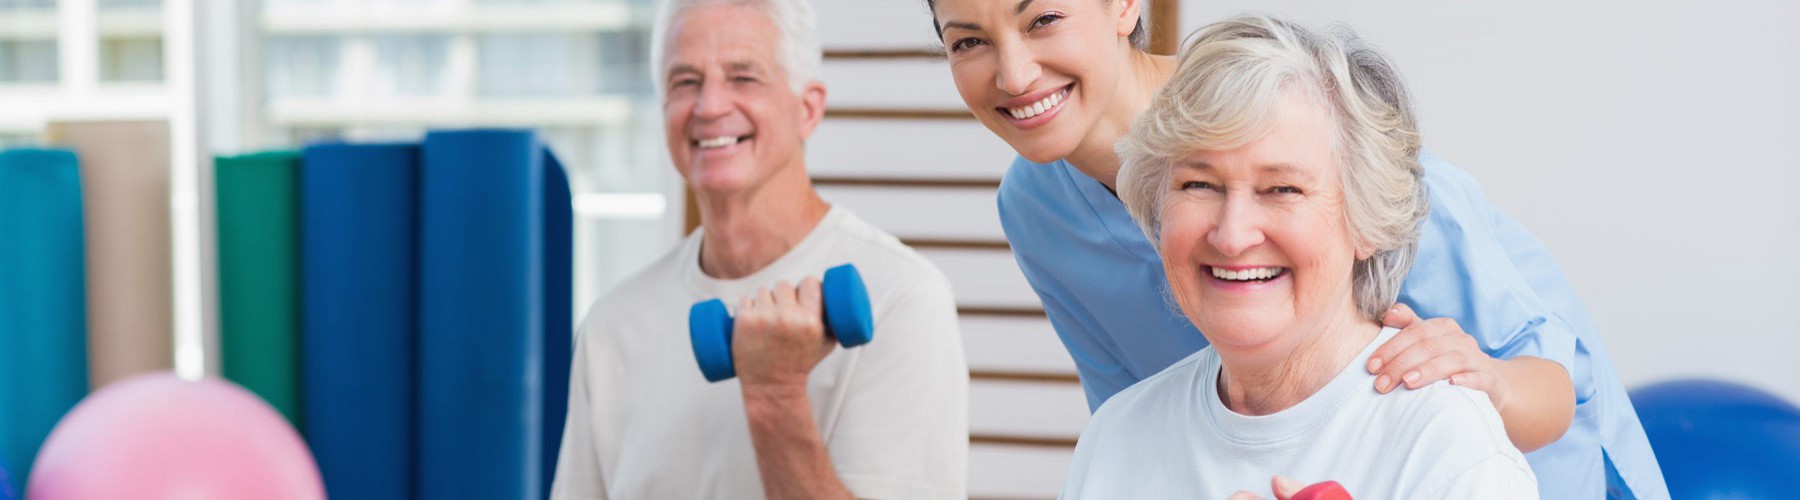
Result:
x=43 y=316
x=559 y=313
x=358 y=330
x=259 y=276
x=484 y=238
x=125 y=203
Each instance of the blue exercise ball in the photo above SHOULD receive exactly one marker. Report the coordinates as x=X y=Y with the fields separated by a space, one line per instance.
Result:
x=1719 y=440
x=6 y=489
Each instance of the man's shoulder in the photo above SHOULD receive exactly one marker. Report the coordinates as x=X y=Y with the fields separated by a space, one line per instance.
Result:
x=662 y=274
x=886 y=263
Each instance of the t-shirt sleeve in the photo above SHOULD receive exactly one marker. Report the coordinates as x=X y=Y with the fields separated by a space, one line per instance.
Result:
x=1500 y=477
x=577 y=461
x=1463 y=271
x=902 y=430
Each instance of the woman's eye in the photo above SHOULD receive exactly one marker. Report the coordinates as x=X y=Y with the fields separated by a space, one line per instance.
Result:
x=1284 y=190
x=1199 y=185
x=1046 y=20
x=965 y=44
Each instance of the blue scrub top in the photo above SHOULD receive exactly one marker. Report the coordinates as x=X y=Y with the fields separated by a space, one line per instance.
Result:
x=1102 y=286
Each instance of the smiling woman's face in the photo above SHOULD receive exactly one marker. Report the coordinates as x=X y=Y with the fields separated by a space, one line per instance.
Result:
x=1254 y=239
x=1038 y=73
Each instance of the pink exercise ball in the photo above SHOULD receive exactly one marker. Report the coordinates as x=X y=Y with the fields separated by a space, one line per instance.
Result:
x=157 y=437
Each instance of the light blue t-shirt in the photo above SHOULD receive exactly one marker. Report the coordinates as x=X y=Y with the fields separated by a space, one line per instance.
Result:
x=1103 y=288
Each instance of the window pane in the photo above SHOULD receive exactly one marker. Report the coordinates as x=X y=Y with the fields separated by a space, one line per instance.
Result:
x=539 y=64
x=409 y=65
x=302 y=66
x=28 y=61
x=131 y=59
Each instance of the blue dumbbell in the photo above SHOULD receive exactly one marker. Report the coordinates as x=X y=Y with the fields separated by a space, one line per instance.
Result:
x=846 y=311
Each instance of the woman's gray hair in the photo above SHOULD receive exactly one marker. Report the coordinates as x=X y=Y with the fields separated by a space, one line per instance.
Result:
x=798 y=50
x=1231 y=77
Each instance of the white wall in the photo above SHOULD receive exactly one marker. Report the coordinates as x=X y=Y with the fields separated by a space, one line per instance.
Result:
x=1653 y=146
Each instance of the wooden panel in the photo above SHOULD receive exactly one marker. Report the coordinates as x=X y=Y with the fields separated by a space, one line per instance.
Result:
x=1027 y=409
x=951 y=214
x=1012 y=344
x=907 y=149
x=997 y=471
x=984 y=278
x=864 y=24
x=890 y=84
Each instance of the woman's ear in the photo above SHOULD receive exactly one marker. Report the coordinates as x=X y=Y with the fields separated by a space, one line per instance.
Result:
x=1130 y=13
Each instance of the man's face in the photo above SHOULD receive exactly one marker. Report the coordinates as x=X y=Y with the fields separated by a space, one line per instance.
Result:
x=732 y=120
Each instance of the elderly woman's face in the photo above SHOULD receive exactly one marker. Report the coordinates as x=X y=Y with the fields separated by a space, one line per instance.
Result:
x=1254 y=239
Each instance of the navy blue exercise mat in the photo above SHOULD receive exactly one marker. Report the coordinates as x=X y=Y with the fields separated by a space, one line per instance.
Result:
x=484 y=308
x=43 y=301
x=559 y=303
x=357 y=222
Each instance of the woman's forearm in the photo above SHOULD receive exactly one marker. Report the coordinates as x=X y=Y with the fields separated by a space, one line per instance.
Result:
x=1540 y=401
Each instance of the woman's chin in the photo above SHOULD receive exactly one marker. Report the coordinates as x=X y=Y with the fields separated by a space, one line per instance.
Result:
x=1241 y=332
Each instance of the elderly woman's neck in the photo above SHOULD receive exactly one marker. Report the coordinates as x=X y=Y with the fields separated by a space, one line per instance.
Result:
x=1277 y=377
x=1142 y=76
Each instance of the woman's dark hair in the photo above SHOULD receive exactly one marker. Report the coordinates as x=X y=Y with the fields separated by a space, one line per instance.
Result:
x=1138 y=38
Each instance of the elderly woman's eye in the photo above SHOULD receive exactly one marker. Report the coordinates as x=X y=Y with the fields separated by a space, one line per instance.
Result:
x=1199 y=185
x=1284 y=190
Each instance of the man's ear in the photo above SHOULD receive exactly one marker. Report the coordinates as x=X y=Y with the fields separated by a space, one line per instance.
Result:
x=1130 y=13
x=812 y=107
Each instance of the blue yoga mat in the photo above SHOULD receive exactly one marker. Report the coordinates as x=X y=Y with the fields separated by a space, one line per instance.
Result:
x=484 y=243
x=43 y=301
x=357 y=219
x=559 y=314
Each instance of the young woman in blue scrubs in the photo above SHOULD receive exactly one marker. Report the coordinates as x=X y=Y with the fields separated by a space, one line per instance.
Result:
x=1061 y=80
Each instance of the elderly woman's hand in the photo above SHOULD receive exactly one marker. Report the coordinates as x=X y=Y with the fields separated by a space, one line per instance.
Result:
x=1284 y=489
x=1426 y=351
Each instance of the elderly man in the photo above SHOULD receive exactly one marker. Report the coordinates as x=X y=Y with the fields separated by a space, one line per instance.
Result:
x=802 y=419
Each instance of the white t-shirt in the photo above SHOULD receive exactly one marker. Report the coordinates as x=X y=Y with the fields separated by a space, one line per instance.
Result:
x=1170 y=436
x=644 y=423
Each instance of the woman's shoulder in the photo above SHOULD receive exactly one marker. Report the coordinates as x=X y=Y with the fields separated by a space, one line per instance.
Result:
x=1459 y=421
x=1173 y=385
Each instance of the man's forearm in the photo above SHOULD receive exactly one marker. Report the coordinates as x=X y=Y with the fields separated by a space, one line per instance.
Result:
x=1540 y=404
x=790 y=455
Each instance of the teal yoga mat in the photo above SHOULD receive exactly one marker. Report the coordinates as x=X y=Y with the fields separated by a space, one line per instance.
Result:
x=259 y=280
x=43 y=297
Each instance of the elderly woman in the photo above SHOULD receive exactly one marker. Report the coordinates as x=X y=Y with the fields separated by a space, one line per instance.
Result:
x=1278 y=175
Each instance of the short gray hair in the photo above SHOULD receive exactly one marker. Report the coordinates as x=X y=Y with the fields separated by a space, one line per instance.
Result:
x=798 y=51
x=1231 y=77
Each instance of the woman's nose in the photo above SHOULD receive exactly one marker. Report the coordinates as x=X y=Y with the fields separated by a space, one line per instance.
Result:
x=1238 y=229
x=1018 y=70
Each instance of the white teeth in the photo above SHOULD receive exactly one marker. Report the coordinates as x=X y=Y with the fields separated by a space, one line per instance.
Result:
x=718 y=142
x=1037 y=108
x=1258 y=273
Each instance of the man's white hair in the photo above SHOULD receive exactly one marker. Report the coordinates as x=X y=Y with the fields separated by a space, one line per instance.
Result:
x=797 y=51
